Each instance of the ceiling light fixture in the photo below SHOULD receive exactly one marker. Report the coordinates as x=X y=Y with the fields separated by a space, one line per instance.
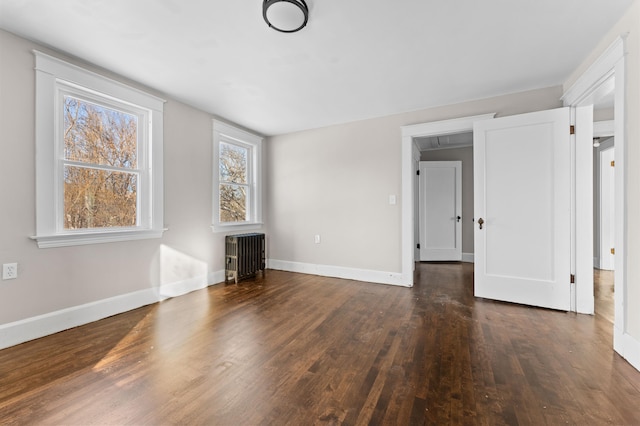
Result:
x=286 y=16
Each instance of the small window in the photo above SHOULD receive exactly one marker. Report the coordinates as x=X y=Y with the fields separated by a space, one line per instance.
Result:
x=234 y=183
x=237 y=195
x=94 y=158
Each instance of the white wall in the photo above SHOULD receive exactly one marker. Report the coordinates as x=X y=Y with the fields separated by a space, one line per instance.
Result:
x=106 y=276
x=336 y=182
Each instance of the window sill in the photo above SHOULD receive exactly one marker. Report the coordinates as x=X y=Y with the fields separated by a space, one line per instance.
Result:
x=77 y=239
x=256 y=226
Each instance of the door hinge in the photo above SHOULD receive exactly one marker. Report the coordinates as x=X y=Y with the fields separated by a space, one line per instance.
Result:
x=573 y=279
x=613 y=250
x=613 y=164
x=418 y=246
x=418 y=172
x=572 y=130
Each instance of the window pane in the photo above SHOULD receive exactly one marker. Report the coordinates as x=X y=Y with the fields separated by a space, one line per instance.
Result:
x=99 y=135
x=99 y=198
x=233 y=203
x=233 y=163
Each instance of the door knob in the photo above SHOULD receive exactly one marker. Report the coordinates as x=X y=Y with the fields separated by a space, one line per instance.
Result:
x=480 y=222
x=458 y=218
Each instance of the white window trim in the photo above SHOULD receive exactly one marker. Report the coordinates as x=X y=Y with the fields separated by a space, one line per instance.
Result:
x=223 y=132
x=53 y=77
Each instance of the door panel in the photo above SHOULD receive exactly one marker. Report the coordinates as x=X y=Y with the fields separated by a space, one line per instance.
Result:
x=440 y=210
x=607 y=214
x=522 y=194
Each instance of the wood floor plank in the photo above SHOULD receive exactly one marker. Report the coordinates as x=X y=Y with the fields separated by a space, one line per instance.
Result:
x=287 y=348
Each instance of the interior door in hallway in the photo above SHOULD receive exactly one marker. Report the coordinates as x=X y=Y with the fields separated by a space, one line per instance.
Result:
x=440 y=210
x=522 y=206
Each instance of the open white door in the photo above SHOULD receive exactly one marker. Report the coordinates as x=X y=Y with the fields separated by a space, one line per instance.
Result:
x=607 y=212
x=440 y=210
x=522 y=206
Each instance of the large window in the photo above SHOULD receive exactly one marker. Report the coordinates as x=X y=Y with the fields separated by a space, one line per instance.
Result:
x=100 y=166
x=97 y=142
x=236 y=182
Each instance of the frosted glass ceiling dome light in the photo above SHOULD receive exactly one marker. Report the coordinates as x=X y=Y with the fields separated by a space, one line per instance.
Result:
x=287 y=16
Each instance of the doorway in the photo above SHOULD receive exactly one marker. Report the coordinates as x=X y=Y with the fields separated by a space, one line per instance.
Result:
x=604 y=221
x=451 y=147
x=596 y=80
x=604 y=203
x=410 y=157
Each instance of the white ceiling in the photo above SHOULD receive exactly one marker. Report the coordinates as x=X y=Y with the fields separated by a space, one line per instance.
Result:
x=356 y=59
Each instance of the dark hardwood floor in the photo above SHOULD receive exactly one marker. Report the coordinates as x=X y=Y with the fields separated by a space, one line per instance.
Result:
x=299 y=349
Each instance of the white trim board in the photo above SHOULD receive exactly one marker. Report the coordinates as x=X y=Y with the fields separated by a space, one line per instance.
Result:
x=17 y=332
x=365 y=275
x=597 y=77
x=604 y=128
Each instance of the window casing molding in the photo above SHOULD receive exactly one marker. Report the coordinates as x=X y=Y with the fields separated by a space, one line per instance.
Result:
x=55 y=79
x=225 y=133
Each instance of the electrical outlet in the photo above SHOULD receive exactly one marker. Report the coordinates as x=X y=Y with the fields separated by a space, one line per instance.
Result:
x=317 y=239
x=9 y=271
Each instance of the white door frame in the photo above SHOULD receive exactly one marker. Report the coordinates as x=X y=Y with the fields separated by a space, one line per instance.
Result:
x=436 y=128
x=596 y=80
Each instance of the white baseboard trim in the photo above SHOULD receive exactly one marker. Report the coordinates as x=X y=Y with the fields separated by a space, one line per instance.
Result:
x=627 y=346
x=216 y=277
x=378 y=277
x=187 y=286
x=27 y=329
x=17 y=332
x=467 y=257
